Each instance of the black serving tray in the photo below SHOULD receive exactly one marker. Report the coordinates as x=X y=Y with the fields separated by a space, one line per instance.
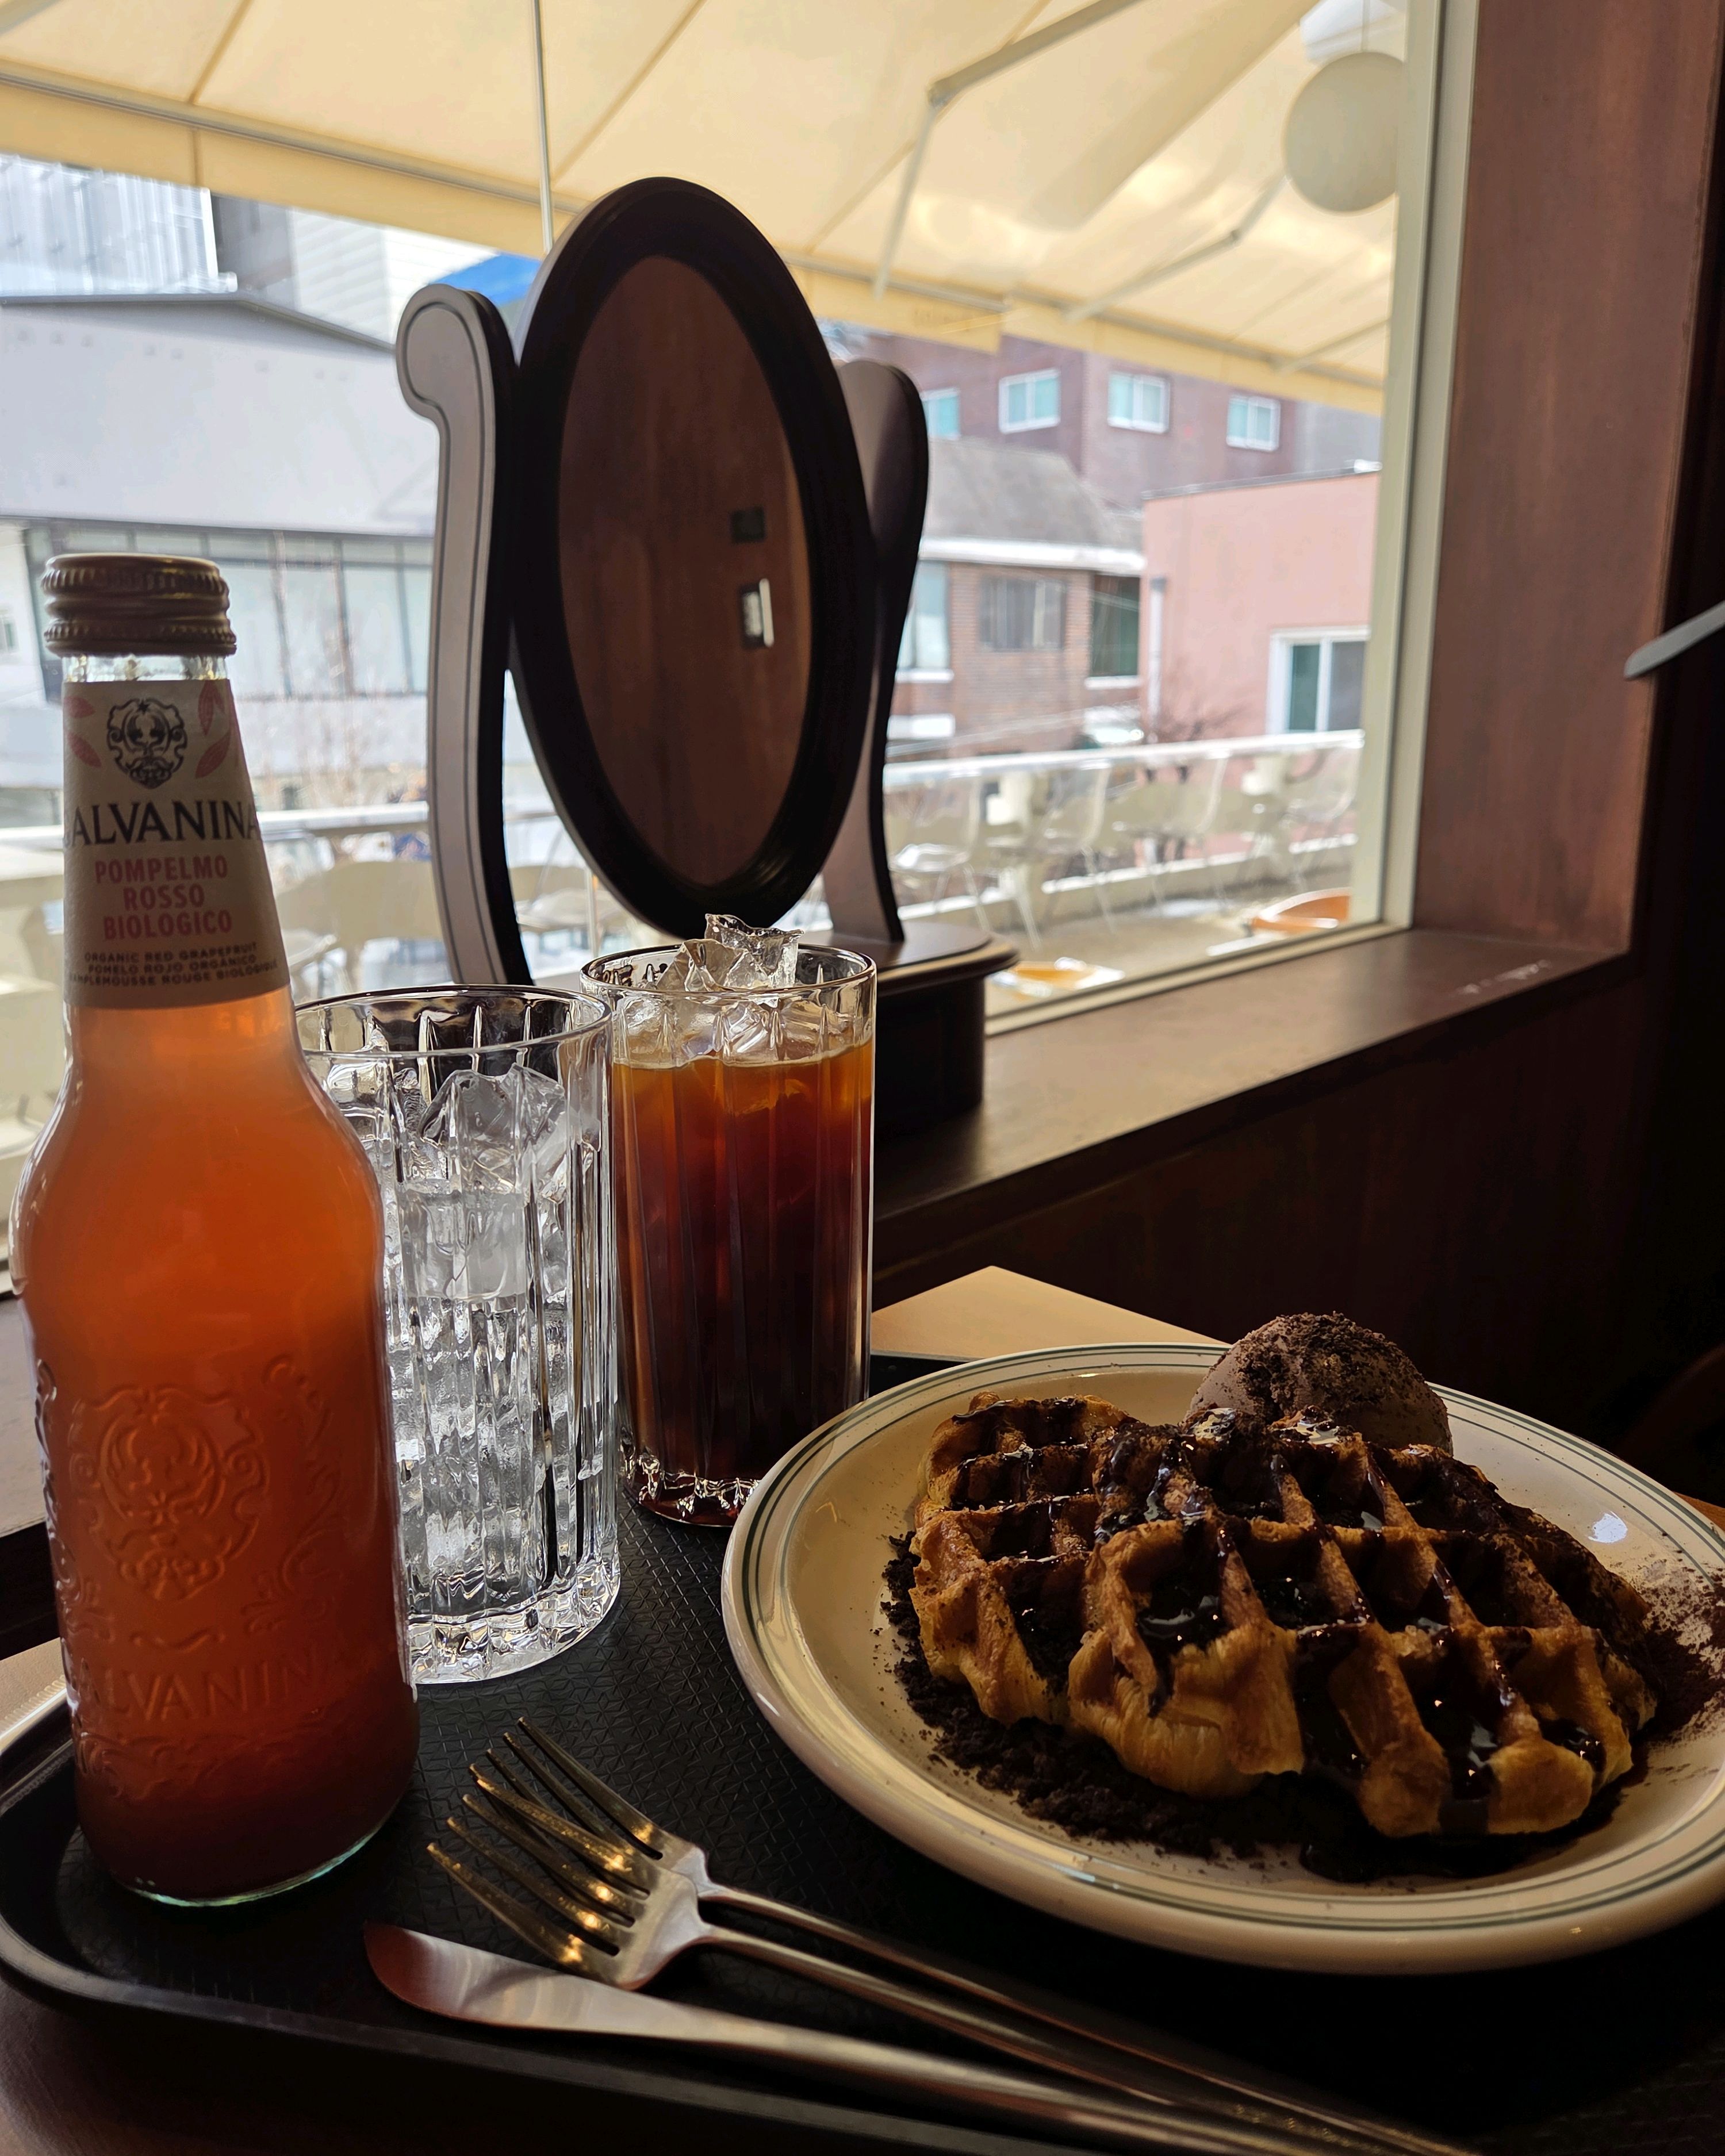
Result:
x=1620 y=2053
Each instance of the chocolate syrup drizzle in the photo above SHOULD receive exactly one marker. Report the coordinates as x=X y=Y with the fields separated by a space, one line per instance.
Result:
x=1075 y=1782
x=1463 y=1694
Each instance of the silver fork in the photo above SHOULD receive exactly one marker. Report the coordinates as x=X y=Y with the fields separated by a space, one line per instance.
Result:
x=629 y=1892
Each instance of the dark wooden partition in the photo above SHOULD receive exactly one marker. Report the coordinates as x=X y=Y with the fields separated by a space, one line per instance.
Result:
x=1507 y=1152
x=1586 y=201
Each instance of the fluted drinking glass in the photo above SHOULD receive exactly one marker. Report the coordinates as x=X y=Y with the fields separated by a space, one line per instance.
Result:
x=484 y=1112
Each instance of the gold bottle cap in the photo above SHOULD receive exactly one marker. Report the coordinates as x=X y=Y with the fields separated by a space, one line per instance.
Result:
x=109 y=604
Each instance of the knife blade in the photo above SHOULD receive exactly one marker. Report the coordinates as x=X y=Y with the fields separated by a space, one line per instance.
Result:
x=466 y=1983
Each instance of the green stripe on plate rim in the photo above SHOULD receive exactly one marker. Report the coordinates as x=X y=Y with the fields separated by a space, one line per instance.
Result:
x=1668 y=1513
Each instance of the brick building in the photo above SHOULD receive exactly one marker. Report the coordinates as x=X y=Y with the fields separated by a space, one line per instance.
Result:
x=1024 y=630
x=1130 y=431
x=1036 y=624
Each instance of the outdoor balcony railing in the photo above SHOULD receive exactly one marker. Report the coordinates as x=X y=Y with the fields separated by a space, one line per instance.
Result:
x=1130 y=857
x=1040 y=834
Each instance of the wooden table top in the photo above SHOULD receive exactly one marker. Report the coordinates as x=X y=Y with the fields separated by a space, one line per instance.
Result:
x=125 y=2085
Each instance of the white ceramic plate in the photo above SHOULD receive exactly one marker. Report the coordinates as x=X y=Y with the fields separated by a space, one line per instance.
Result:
x=803 y=1603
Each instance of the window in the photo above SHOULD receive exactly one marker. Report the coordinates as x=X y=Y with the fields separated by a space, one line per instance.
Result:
x=9 y=630
x=940 y=408
x=1054 y=572
x=1254 y=423
x=925 y=646
x=376 y=617
x=1139 y=401
x=311 y=609
x=1315 y=680
x=1030 y=400
x=1113 y=628
x=922 y=727
x=155 y=539
x=1022 y=613
x=258 y=668
x=416 y=587
x=314 y=618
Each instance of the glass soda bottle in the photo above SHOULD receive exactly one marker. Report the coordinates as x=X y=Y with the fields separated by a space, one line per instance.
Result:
x=198 y=1244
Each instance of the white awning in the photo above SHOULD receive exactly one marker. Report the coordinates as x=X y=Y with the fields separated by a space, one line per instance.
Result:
x=1118 y=188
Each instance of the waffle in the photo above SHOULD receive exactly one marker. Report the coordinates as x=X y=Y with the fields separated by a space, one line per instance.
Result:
x=1219 y=1601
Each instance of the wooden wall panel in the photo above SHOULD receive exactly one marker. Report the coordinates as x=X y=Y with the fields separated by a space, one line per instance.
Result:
x=1586 y=199
x=1474 y=1204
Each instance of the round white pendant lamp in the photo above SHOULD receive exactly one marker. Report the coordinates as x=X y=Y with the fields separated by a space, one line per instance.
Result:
x=1340 y=144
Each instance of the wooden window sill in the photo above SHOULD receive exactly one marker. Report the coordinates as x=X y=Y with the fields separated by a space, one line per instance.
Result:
x=1078 y=1102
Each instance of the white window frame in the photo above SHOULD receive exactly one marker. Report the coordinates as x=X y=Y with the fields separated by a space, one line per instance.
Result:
x=1134 y=377
x=927 y=673
x=928 y=396
x=1247 y=441
x=921 y=726
x=1281 y=644
x=1027 y=382
x=1156 y=596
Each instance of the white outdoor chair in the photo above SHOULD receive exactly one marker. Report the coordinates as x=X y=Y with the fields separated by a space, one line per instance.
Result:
x=352 y=904
x=1318 y=795
x=32 y=1047
x=1169 y=816
x=565 y=898
x=1009 y=857
x=1073 y=827
x=938 y=839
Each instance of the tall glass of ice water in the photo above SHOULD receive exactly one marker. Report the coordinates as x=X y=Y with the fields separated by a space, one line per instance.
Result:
x=742 y=1127
x=484 y=1114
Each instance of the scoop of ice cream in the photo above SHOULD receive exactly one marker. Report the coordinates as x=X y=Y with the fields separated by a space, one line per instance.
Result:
x=1329 y=1365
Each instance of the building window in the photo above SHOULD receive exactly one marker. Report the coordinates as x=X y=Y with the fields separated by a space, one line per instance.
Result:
x=258 y=667
x=1316 y=681
x=921 y=727
x=1254 y=423
x=1030 y=400
x=1138 y=401
x=9 y=630
x=1022 y=614
x=376 y=608
x=318 y=619
x=311 y=609
x=940 y=408
x=1113 y=628
x=927 y=646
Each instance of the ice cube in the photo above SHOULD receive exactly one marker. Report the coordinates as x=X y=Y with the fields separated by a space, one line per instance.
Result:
x=748 y=1031
x=654 y=1031
x=463 y=1246
x=808 y=1027
x=543 y=1113
x=698 y=964
x=474 y=1129
x=767 y=957
x=779 y=1029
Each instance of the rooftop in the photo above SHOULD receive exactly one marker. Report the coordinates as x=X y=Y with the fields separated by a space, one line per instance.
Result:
x=994 y=501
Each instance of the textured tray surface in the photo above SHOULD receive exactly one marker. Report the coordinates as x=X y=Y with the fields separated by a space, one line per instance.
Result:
x=1621 y=2053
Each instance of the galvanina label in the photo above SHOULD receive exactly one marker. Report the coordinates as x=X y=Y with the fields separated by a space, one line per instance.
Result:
x=167 y=887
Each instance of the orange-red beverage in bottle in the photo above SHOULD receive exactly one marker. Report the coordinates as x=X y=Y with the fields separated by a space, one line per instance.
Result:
x=197 y=1242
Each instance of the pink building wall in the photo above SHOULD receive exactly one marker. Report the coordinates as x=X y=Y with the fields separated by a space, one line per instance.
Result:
x=1243 y=564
